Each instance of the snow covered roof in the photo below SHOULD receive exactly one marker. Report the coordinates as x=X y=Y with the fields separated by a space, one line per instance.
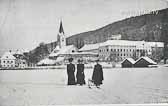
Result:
x=63 y=50
x=90 y=47
x=156 y=44
x=130 y=60
x=59 y=59
x=46 y=61
x=147 y=59
x=83 y=53
x=121 y=42
x=8 y=55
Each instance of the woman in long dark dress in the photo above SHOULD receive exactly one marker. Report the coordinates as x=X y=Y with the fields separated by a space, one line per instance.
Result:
x=97 y=76
x=70 y=72
x=80 y=76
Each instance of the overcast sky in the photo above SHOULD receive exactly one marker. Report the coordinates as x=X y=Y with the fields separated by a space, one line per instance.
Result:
x=26 y=23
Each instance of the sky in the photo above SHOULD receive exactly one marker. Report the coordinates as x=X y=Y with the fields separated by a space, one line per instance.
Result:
x=26 y=23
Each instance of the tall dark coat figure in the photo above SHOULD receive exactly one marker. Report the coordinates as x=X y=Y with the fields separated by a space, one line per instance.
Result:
x=70 y=72
x=80 y=76
x=97 y=76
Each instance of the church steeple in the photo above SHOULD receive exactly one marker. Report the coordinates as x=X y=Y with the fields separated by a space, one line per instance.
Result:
x=61 y=38
x=61 y=30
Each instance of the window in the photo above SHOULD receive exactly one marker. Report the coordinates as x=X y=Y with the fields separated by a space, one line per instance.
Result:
x=4 y=61
x=7 y=61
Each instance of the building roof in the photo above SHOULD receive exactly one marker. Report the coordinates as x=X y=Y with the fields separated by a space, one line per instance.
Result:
x=63 y=50
x=131 y=60
x=59 y=59
x=90 y=47
x=156 y=44
x=122 y=42
x=61 y=30
x=147 y=59
x=8 y=55
x=46 y=61
x=84 y=53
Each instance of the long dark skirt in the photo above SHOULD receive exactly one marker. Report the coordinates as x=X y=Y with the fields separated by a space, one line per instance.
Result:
x=71 y=79
x=70 y=72
x=80 y=74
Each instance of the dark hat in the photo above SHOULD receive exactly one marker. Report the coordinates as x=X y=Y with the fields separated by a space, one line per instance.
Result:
x=80 y=60
x=70 y=59
x=97 y=60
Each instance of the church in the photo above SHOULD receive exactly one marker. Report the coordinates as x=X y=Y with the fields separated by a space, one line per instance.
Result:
x=61 y=52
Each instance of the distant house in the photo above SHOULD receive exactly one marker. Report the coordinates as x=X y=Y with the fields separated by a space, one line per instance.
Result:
x=8 y=60
x=13 y=60
x=144 y=62
x=128 y=62
x=61 y=55
x=46 y=62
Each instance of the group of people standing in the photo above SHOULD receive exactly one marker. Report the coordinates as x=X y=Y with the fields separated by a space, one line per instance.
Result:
x=97 y=76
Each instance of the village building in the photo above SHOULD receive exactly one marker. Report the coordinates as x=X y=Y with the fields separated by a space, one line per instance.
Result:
x=118 y=50
x=128 y=62
x=60 y=54
x=8 y=60
x=144 y=62
x=13 y=60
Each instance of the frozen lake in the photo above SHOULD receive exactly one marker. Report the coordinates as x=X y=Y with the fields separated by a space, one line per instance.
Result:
x=48 y=87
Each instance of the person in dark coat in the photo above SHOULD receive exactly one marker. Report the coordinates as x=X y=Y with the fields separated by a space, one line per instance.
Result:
x=97 y=76
x=80 y=76
x=70 y=72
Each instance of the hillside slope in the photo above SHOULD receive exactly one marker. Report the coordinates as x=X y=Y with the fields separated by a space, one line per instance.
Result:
x=146 y=27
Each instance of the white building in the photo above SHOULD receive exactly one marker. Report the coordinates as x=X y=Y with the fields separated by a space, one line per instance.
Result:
x=118 y=50
x=60 y=53
x=13 y=60
x=8 y=60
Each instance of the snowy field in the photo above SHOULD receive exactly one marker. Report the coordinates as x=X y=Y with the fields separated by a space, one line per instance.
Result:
x=48 y=87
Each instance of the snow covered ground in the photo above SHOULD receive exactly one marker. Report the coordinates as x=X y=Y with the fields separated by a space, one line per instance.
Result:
x=48 y=87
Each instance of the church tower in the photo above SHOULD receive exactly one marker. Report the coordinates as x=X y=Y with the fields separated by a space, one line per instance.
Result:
x=61 y=39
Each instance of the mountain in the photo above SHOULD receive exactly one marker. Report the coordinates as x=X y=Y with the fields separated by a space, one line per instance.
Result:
x=146 y=27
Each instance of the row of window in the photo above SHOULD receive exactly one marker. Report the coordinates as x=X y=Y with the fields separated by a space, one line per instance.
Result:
x=8 y=61
x=12 y=66
x=120 y=50
x=117 y=55
x=8 y=65
x=115 y=50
